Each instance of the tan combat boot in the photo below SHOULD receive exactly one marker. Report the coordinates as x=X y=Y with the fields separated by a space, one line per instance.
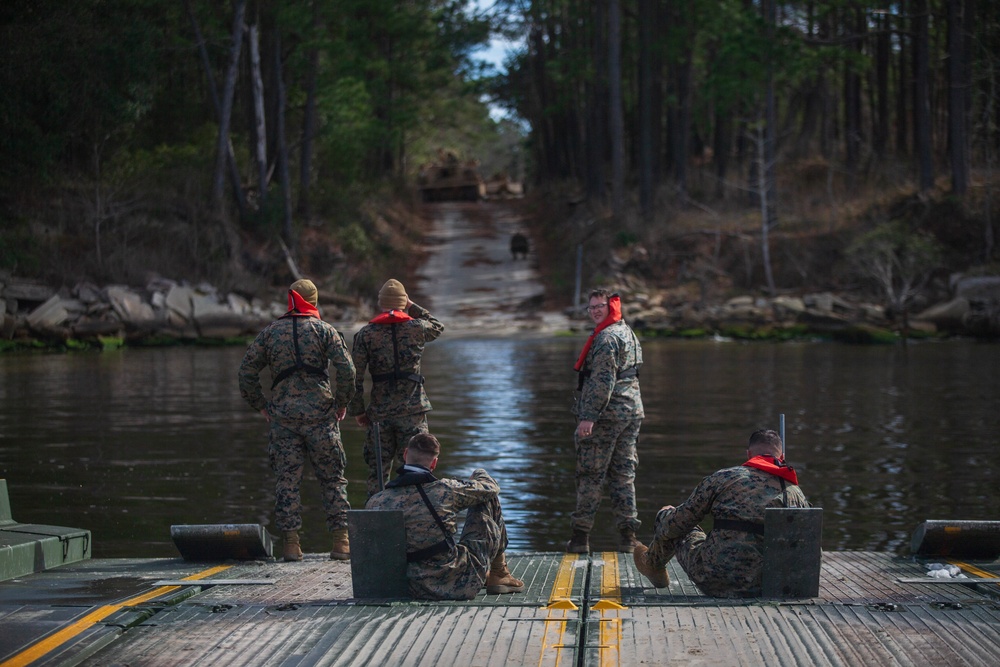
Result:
x=341 y=545
x=627 y=543
x=499 y=580
x=657 y=575
x=293 y=551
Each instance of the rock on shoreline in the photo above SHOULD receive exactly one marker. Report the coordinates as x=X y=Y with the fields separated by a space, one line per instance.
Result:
x=166 y=311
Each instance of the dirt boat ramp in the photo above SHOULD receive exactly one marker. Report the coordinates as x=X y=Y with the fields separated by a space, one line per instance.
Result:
x=470 y=280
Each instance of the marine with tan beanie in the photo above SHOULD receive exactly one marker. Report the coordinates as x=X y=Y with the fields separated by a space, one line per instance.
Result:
x=390 y=347
x=304 y=412
x=393 y=296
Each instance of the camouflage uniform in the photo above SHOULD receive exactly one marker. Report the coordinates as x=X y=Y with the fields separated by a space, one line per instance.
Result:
x=302 y=410
x=726 y=562
x=400 y=406
x=615 y=407
x=458 y=571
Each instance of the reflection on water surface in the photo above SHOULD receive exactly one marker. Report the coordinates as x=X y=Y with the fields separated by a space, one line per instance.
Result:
x=130 y=442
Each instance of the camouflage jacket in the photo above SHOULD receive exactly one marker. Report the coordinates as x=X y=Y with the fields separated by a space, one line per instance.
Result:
x=373 y=350
x=446 y=576
x=731 y=560
x=302 y=397
x=603 y=396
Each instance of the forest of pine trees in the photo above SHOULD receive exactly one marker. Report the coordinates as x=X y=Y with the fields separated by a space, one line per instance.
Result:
x=148 y=126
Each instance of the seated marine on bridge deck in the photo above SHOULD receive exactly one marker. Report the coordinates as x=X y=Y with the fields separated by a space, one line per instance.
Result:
x=728 y=561
x=438 y=567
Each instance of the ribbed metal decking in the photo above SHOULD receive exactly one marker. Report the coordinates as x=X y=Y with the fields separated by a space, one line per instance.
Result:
x=584 y=611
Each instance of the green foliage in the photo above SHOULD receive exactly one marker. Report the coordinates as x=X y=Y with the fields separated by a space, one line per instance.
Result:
x=347 y=129
x=693 y=333
x=109 y=343
x=63 y=103
x=865 y=335
x=355 y=242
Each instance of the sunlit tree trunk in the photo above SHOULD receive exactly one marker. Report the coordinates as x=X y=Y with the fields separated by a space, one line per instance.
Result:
x=234 y=174
x=226 y=108
x=769 y=192
x=287 y=232
x=260 y=127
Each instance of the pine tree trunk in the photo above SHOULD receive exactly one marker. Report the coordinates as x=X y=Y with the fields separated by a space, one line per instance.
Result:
x=260 y=127
x=226 y=109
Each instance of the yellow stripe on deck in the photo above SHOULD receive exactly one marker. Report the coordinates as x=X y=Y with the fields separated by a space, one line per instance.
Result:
x=60 y=637
x=972 y=569
x=609 y=607
x=560 y=605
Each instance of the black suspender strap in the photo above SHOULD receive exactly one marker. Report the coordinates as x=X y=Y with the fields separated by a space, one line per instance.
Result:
x=740 y=525
x=396 y=373
x=299 y=365
x=444 y=546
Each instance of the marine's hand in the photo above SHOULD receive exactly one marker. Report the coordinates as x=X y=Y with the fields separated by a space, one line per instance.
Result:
x=340 y=414
x=584 y=428
x=267 y=416
x=362 y=421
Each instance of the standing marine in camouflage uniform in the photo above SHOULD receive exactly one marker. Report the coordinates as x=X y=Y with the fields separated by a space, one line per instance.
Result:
x=438 y=568
x=304 y=412
x=390 y=347
x=726 y=562
x=609 y=413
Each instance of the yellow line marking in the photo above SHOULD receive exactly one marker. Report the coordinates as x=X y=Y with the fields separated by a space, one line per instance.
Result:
x=609 y=605
x=610 y=578
x=559 y=607
x=85 y=622
x=971 y=569
x=562 y=587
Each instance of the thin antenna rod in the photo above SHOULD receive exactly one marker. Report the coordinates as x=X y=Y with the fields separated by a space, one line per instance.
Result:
x=781 y=427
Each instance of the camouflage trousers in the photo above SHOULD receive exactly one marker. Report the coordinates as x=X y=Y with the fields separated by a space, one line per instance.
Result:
x=394 y=433
x=718 y=569
x=609 y=454
x=483 y=541
x=288 y=449
x=663 y=548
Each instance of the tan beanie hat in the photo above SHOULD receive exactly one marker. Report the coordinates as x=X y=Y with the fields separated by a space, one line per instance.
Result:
x=306 y=289
x=392 y=296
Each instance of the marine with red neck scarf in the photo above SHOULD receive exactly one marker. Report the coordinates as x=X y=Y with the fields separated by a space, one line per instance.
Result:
x=728 y=561
x=390 y=348
x=609 y=414
x=304 y=412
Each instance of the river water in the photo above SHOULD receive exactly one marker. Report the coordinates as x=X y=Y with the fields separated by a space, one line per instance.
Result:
x=130 y=442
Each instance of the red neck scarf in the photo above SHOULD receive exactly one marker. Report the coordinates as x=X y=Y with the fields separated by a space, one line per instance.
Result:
x=773 y=466
x=390 y=317
x=614 y=315
x=299 y=307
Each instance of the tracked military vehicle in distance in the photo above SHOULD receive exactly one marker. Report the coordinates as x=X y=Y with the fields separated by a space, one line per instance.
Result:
x=450 y=179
